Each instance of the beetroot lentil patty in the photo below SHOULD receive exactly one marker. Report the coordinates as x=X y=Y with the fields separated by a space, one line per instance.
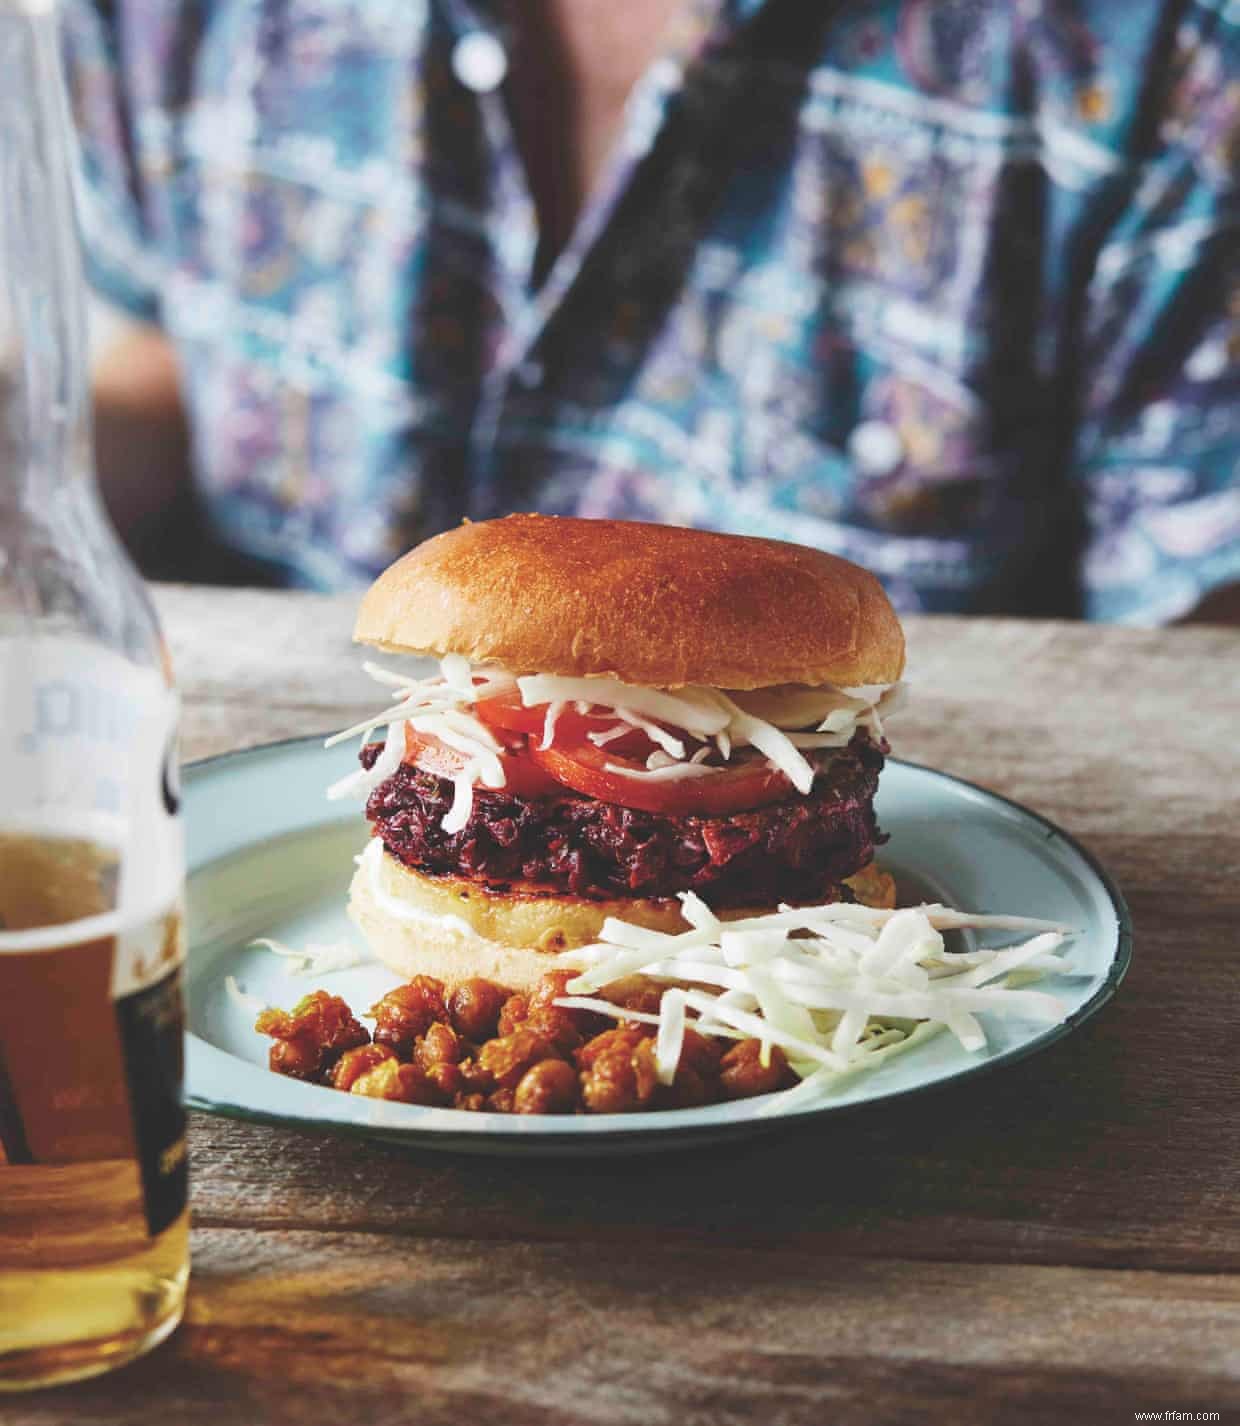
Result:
x=799 y=849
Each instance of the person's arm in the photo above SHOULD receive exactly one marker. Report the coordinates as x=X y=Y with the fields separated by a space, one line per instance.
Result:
x=1157 y=451
x=1222 y=606
x=141 y=439
x=142 y=451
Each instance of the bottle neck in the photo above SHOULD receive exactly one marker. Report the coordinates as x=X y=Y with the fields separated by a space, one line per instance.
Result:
x=45 y=437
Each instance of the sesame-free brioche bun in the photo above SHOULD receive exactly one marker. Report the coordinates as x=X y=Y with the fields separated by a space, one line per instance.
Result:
x=654 y=605
x=456 y=929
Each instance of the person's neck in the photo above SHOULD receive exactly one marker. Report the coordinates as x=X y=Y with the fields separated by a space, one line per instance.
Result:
x=576 y=62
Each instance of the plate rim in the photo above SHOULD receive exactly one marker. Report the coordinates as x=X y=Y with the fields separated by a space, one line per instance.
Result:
x=485 y=1137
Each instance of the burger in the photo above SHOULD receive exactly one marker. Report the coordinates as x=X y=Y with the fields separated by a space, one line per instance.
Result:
x=622 y=717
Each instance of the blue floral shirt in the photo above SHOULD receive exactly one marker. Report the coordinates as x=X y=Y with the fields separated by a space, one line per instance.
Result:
x=949 y=287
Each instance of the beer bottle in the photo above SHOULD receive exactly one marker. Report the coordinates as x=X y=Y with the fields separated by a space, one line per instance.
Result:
x=93 y=1221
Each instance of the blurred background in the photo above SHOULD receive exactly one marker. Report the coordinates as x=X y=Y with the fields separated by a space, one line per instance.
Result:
x=951 y=289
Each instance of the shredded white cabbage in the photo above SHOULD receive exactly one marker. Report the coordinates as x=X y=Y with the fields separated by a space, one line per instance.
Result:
x=479 y=750
x=668 y=772
x=606 y=1007
x=835 y=986
x=462 y=801
x=466 y=726
x=693 y=709
x=550 y=719
x=818 y=740
x=365 y=780
x=380 y=674
x=697 y=913
x=318 y=958
x=791 y=707
x=671 y=1037
x=607 y=735
x=827 y=710
x=741 y=999
x=767 y=738
x=777 y=722
x=457 y=674
x=869 y=692
x=756 y=719
x=864 y=918
x=821 y=1083
x=657 y=734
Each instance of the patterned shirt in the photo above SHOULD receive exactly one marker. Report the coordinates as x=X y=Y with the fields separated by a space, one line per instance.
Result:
x=949 y=287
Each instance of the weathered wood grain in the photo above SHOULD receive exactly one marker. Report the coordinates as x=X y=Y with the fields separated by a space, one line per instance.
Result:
x=1058 y=1241
x=315 y=1329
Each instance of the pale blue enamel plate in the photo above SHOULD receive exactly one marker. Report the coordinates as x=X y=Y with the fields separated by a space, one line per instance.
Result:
x=270 y=856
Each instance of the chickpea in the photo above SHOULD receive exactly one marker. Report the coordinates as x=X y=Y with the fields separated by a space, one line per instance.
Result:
x=474 y=1077
x=508 y=1058
x=484 y=1050
x=688 y=1090
x=298 y=1058
x=447 y=1079
x=474 y=1008
x=549 y=1087
x=407 y=1012
x=646 y=998
x=441 y=1045
x=623 y=1038
x=403 y=1083
x=312 y=1036
x=608 y=1084
x=742 y=1073
x=549 y=989
x=514 y=1010
x=556 y=1025
x=700 y=1053
x=645 y=1070
x=355 y=1063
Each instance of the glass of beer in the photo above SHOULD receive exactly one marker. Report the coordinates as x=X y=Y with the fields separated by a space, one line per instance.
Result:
x=93 y=1220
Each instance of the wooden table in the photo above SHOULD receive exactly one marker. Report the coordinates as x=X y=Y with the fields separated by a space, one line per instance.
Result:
x=1058 y=1241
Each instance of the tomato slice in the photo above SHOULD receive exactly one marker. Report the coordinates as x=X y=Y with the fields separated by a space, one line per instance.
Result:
x=574 y=762
x=424 y=750
x=524 y=777
x=741 y=788
x=505 y=710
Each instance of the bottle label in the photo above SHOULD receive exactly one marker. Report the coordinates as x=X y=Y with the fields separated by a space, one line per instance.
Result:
x=88 y=749
x=151 y=1025
x=91 y=929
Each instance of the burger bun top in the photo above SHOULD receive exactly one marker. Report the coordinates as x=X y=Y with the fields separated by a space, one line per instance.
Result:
x=654 y=605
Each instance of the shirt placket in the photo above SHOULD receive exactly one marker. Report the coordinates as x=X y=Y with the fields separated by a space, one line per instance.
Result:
x=480 y=63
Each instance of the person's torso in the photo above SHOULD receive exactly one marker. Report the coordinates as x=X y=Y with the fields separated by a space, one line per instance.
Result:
x=819 y=291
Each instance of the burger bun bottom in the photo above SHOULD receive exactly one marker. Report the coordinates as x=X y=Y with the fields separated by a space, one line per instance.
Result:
x=457 y=930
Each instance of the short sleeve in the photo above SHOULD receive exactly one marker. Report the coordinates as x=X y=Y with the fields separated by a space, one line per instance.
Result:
x=1157 y=454
x=121 y=264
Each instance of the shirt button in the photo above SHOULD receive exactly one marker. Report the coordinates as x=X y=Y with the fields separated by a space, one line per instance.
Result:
x=479 y=61
x=876 y=448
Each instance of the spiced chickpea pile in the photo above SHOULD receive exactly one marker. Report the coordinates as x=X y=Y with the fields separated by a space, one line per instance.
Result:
x=483 y=1048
